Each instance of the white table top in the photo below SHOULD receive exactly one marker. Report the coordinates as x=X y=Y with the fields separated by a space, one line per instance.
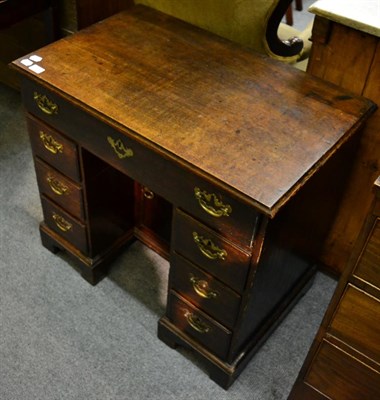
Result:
x=363 y=15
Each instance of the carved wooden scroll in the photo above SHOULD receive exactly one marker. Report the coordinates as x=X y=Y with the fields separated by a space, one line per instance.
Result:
x=281 y=48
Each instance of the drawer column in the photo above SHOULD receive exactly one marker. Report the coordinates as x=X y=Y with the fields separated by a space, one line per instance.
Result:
x=88 y=206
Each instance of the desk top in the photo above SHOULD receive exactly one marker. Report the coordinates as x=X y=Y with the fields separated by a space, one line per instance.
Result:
x=363 y=15
x=253 y=125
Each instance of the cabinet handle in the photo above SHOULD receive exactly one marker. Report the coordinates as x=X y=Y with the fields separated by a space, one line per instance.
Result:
x=148 y=194
x=196 y=323
x=208 y=248
x=50 y=143
x=56 y=186
x=61 y=223
x=119 y=148
x=45 y=104
x=202 y=289
x=212 y=204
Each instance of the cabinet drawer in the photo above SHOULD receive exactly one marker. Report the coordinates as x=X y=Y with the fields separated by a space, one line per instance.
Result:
x=368 y=267
x=54 y=148
x=66 y=226
x=198 y=325
x=60 y=189
x=47 y=105
x=338 y=375
x=218 y=210
x=204 y=291
x=210 y=251
x=364 y=334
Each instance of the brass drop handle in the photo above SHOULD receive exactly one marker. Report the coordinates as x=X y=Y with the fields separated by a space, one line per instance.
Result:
x=61 y=223
x=208 y=248
x=45 y=104
x=202 y=289
x=119 y=148
x=212 y=204
x=196 y=322
x=56 y=186
x=50 y=143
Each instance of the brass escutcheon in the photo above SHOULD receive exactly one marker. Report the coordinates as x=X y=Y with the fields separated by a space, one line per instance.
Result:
x=208 y=248
x=45 y=104
x=119 y=148
x=202 y=289
x=50 y=143
x=56 y=186
x=61 y=223
x=212 y=204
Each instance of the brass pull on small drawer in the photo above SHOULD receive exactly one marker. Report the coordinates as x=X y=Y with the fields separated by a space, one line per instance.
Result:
x=119 y=148
x=56 y=186
x=61 y=223
x=212 y=204
x=196 y=323
x=50 y=143
x=148 y=194
x=208 y=248
x=45 y=104
x=202 y=289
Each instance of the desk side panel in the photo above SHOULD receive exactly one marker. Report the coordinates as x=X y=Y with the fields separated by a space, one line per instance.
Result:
x=291 y=244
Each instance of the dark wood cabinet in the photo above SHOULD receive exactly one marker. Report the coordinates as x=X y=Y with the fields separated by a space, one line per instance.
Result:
x=153 y=219
x=208 y=153
x=344 y=360
x=78 y=14
x=346 y=52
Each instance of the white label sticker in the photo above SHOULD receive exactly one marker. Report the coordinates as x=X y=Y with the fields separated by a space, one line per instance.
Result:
x=35 y=58
x=37 y=69
x=26 y=62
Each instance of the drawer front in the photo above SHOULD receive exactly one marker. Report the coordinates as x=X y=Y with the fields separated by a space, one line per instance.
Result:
x=47 y=105
x=210 y=251
x=218 y=210
x=204 y=291
x=364 y=334
x=54 y=148
x=66 y=226
x=199 y=326
x=60 y=189
x=124 y=151
x=368 y=267
x=338 y=375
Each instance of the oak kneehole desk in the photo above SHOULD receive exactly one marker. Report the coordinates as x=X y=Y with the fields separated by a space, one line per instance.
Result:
x=225 y=162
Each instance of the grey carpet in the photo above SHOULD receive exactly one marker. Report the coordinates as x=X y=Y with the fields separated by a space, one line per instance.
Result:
x=61 y=338
x=302 y=18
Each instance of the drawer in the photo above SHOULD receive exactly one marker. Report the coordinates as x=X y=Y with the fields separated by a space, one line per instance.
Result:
x=204 y=291
x=47 y=105
x=210 y=251
x=60 y=189
x=218 y=210
x=192 y=321
x=338 y=375
x=364 y=333
x=66 y=226
x=368 y=266
x=54 y=148
x=129 y=153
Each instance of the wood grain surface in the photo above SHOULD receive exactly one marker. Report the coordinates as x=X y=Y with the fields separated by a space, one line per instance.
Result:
x=258 y=126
